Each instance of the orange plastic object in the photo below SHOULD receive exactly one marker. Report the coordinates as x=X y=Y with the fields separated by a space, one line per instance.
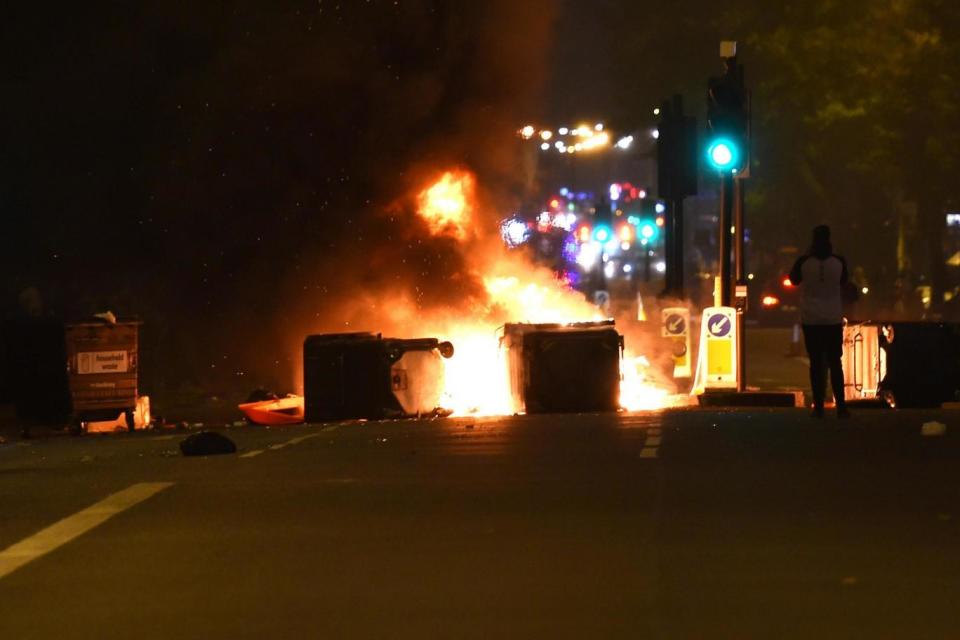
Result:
x=287 y=410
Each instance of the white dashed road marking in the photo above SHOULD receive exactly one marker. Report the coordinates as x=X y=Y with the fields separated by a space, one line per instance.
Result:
x=281 y=445
x=651 y=443
x=71 y=527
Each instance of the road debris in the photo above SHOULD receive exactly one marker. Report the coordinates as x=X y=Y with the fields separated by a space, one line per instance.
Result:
x=933 y=428
x=207 y=443
x=274 y=411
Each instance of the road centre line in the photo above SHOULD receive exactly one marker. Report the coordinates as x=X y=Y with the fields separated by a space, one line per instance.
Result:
x=651 y=443
x=280 y=445
x=296 y=440
x=71 y=527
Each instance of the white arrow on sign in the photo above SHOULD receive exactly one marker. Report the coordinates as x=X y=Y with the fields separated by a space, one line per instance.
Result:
x=717 y=326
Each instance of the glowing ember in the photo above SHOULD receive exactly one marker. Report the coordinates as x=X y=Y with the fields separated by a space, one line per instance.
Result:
x=447 y=204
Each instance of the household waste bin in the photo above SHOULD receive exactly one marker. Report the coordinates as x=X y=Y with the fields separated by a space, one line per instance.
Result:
x=907 y=364
x=363 y=375
x=102 y=369
x=563 y=368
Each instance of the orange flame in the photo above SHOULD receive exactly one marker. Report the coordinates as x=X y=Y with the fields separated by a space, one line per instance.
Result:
x=447 y=204
x=517 y=291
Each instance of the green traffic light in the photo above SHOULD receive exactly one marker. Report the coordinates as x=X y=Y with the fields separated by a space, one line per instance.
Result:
x=723 y=154
x=601 y=234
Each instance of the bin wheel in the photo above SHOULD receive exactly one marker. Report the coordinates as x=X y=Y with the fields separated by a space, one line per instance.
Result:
x=889 y=398
x=75 y=428
x=128 y=416
x=446 y=349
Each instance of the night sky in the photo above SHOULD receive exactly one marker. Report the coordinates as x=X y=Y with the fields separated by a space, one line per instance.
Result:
x=215 y=171
x=225 y=171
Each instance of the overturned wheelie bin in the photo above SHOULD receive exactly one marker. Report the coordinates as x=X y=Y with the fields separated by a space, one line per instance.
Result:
x=905 y=364
x=364 y=375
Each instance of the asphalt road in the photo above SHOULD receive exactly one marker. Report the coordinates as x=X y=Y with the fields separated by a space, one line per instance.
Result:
x=687 y=524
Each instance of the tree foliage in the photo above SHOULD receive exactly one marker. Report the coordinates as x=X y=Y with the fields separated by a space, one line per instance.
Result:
x=856 y=110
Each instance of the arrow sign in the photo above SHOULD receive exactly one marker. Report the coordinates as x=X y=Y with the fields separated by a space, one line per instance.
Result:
x=719 y=325
x=675 y=324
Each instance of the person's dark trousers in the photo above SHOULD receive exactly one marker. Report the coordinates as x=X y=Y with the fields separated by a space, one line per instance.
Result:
x=825 y=349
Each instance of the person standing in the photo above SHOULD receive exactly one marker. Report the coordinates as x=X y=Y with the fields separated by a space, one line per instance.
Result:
x=822 y=276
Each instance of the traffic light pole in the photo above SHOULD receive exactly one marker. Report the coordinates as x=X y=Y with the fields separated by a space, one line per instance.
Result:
x=740 y=230
x=740 y=226
x=726 y=205
x=677 y=226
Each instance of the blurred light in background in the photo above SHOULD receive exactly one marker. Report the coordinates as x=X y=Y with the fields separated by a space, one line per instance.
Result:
x=514 y=232
x=587 y=257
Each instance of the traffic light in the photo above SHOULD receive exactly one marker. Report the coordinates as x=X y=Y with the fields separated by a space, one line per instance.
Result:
x=602 y=233
x=676 y=152
x=648 y=230
x=678 y=157
x=723 y=154
x=728 y=120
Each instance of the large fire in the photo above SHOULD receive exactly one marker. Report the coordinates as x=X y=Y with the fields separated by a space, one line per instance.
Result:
x=517 y=291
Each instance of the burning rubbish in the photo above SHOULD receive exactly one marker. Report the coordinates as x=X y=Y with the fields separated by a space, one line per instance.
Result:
x=485 y=294
x=560 y=351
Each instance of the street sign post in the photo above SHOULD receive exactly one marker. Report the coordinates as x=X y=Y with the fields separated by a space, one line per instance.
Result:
x=676 y=328
x=718 y=350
